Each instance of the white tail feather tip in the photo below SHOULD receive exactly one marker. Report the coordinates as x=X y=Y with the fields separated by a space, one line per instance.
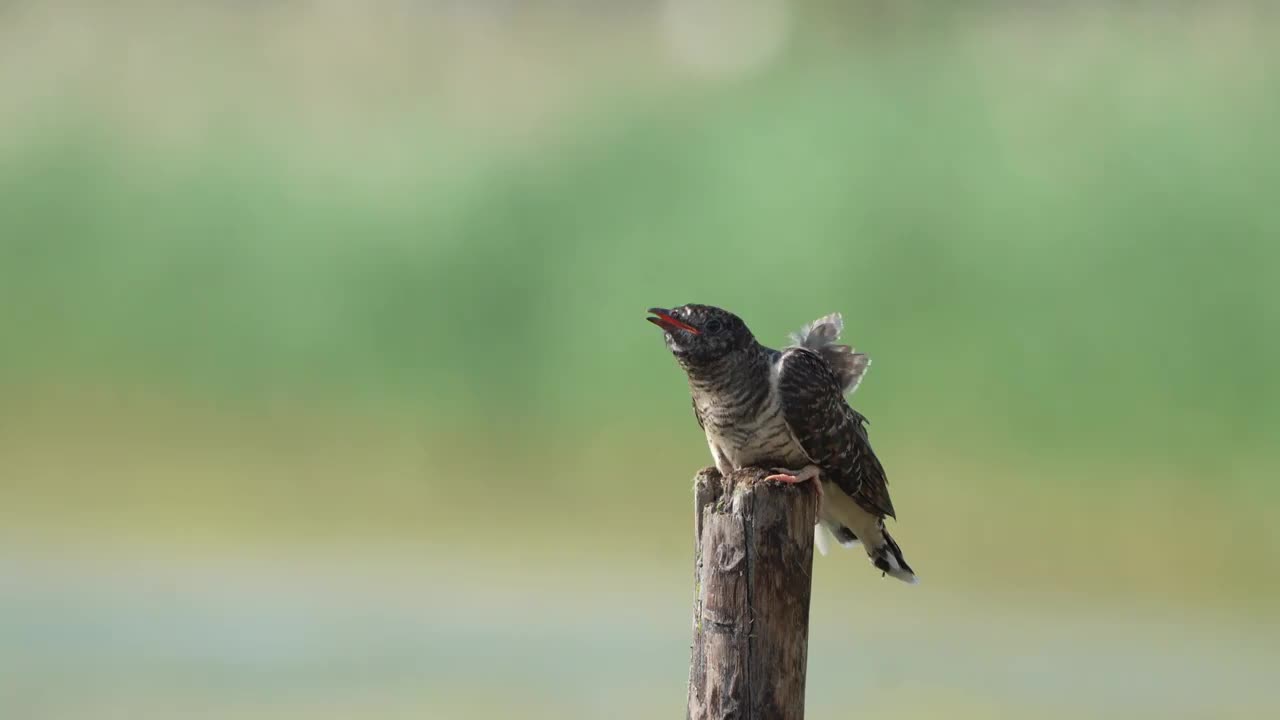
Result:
x=820 y=539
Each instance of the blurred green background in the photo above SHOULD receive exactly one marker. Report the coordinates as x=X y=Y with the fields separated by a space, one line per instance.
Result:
x=325 y=389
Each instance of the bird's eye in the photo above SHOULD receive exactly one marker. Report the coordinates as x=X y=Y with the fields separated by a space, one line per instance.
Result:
x=713 y=326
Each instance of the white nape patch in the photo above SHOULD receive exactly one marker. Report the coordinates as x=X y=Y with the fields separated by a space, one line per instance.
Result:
x=820 y=539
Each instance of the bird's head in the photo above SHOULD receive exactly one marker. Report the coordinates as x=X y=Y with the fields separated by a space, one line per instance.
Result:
x=701 y=334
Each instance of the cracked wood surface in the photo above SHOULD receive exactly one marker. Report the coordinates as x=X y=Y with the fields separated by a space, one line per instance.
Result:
x=752 y=566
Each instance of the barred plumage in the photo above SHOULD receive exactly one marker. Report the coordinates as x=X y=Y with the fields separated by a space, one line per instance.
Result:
x=786 y=409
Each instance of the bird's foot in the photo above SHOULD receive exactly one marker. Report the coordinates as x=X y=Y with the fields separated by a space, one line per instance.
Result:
x=808 y=472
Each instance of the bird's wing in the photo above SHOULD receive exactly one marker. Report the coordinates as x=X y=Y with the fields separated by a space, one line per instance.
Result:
x=833 y=434
x=823 y=331
x=820 y=336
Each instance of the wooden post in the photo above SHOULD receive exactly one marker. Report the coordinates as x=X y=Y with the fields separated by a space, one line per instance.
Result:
x=752 y=571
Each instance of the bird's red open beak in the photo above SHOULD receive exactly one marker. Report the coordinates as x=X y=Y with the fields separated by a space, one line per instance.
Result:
x=665 y=321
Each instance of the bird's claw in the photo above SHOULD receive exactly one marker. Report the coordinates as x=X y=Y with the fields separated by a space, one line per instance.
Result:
x=809 y=472
x=791 y=477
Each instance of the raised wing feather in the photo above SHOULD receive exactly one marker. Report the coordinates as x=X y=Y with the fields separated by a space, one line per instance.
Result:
x=833 y=434
x=820 y=336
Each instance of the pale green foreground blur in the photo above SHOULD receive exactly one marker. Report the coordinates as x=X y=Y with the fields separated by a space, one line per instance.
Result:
x=325 y=389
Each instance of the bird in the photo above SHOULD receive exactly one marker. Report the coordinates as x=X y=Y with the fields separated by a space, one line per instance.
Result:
x=785 y=409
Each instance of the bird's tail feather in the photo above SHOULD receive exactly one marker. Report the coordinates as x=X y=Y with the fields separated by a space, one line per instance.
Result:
x=887 y=557
x=832 y=529
x=849 y=524
x=820 y=539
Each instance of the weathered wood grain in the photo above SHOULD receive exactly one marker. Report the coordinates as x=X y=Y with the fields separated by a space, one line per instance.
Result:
x=752 y=568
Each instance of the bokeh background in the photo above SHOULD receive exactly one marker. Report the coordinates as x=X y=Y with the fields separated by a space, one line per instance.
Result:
x=325 y=389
